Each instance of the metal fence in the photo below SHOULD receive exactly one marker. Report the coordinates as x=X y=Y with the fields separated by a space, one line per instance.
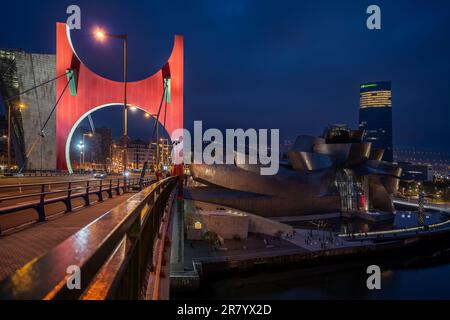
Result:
x=38 y=196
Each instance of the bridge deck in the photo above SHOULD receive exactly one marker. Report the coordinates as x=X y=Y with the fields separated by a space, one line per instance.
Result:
x=18 y=248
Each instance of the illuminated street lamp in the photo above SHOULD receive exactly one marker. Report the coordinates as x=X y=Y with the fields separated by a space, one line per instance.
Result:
x=101 y=36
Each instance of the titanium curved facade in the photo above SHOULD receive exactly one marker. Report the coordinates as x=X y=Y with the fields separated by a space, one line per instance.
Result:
x=334 y=173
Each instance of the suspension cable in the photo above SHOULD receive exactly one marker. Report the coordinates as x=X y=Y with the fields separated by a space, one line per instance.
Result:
x=159 y=111
x=41 y=133
x=37 y=101
x=155 y=127
x=165 y=112
x=35 y=87
x=56 y=104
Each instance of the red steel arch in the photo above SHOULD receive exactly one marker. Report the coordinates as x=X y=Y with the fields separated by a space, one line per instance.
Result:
x=94 y=91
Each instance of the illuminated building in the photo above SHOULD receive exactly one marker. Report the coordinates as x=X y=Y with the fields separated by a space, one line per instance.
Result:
x=138 y=152
x=375 y=116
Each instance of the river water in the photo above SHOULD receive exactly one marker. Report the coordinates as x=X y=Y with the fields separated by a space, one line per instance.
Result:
x=344 y=282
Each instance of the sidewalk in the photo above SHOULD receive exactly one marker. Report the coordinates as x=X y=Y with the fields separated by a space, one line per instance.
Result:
x=302 y=239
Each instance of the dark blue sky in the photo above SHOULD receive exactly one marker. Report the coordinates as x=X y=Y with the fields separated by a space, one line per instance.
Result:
x=293 y=65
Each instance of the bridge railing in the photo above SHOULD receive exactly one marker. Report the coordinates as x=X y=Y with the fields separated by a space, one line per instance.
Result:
x=38 y=196
x=112 y=257
x=46 y=173
x=41 y=173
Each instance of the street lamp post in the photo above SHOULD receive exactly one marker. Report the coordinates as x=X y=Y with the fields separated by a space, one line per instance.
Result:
x=80 y=146
x=83 y=143
x=101 y=35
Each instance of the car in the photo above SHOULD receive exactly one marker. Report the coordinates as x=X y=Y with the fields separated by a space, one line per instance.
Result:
x=100 y=175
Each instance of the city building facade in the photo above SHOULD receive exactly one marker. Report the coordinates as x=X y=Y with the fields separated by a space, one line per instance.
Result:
x=138 y=152
x=104 y=152
x=375 y=116
x=3 y=143
x=33 y=149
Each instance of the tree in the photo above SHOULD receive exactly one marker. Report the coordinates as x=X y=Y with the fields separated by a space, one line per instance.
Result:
x=212 y=238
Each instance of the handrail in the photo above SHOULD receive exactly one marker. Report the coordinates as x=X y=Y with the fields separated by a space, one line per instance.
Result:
x=155 y=294
x=46 y=173
x=85 y=189
x=395 y=232
x=11 y=186
x=113 y=254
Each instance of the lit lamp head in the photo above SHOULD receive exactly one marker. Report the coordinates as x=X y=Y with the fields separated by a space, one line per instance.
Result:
x=147 y=115
x=99 y=34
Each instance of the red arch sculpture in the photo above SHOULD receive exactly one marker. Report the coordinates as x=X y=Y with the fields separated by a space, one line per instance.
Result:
x=94 y=92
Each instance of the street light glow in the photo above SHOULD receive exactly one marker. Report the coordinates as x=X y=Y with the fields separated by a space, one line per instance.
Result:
x=147 y=115
x=133 y=108
x=99 y=34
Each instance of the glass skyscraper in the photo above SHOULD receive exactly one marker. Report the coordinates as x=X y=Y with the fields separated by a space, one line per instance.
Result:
x=375 y=116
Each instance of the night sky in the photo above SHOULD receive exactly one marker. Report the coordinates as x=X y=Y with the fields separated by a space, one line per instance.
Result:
x=293 y=65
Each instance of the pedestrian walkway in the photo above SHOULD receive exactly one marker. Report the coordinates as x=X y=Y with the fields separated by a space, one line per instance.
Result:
x=313 y=240
x=18 y=248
